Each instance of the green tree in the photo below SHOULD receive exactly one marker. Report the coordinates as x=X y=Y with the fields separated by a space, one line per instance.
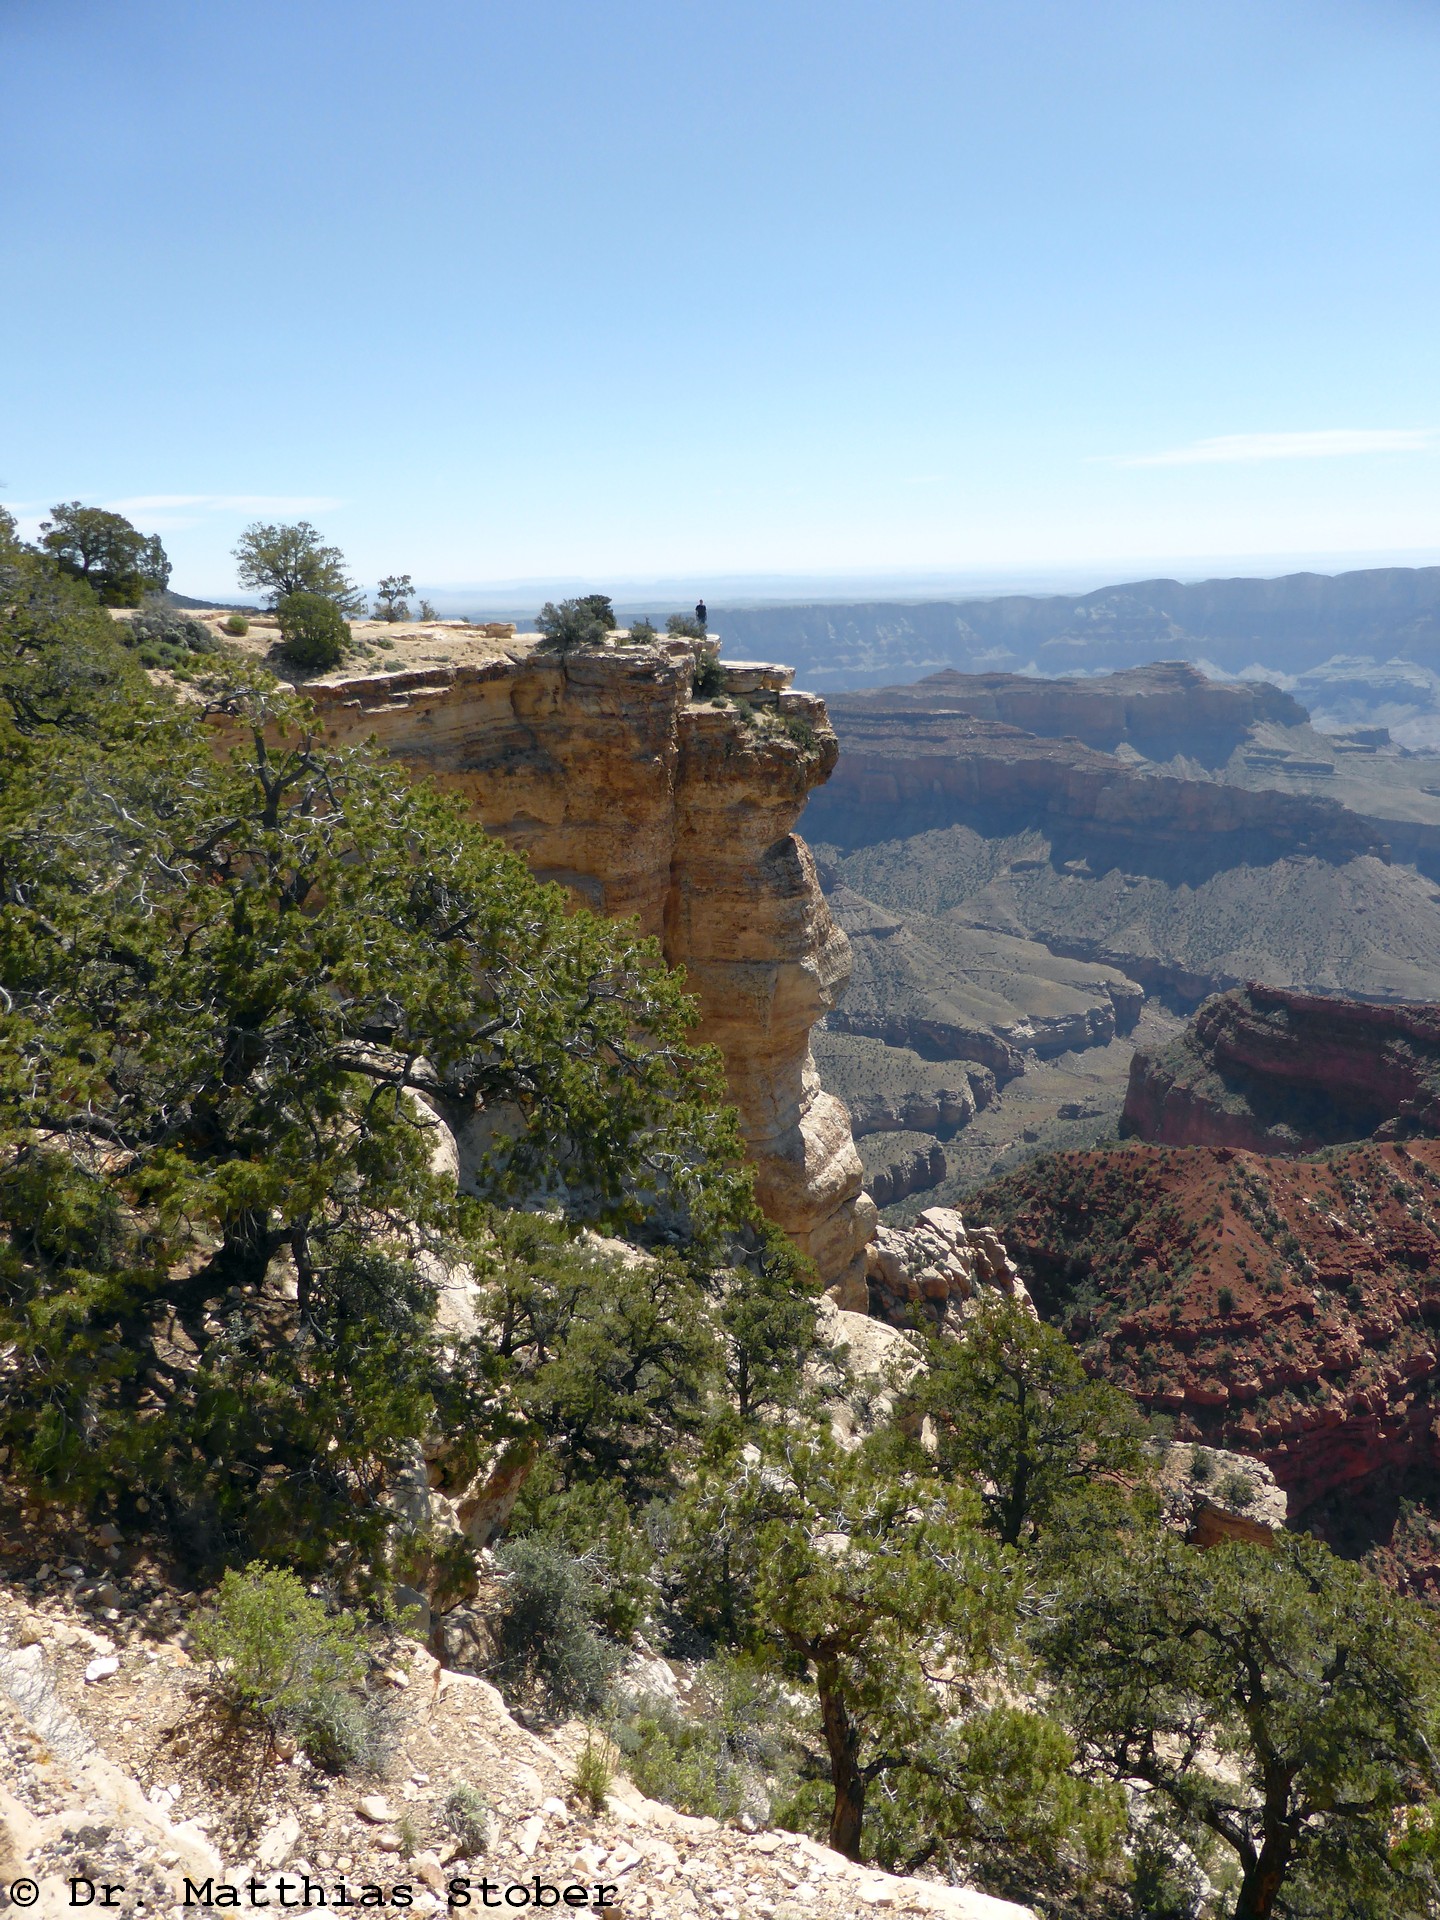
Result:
x=684 y=626
x=612 y=1355
x=107 y=552
x=393 y=597
x=313 y=631
x=220 y=1226
x=576 y=623
x=766 y=1317
x=887 y=1594
x=1016 y=1417
x=1277 y=1699
x=280 y=560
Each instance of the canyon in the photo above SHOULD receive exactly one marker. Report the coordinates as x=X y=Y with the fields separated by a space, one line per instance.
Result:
x=1303 y=624
x=1038 y=875
x=647 y=804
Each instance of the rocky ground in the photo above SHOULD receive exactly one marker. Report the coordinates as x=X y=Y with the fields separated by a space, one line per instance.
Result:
x=376 y=645
x=117 y=1772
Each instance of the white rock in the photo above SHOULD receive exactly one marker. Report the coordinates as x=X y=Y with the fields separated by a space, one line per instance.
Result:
x=528 y=1837
x=102 y=1668
x=278 y=1842
x=375 y=1808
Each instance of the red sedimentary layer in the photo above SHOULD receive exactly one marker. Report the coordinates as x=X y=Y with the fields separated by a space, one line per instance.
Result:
x=1284 y=1072
x=1284 y=1308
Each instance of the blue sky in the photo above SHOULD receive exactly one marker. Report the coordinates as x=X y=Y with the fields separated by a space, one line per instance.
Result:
x=644 y=289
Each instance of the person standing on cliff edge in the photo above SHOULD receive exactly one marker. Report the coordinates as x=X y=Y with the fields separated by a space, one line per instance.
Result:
x=700 y=614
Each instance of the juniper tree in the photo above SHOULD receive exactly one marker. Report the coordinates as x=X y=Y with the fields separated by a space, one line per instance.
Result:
x=229 y=981
x=883 y=1592
x=1275 y=1700
x=277 y=560
x=107 y=552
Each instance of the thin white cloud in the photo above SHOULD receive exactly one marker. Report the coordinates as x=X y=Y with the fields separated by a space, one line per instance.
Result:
x=224 y=503
x=1331 y=443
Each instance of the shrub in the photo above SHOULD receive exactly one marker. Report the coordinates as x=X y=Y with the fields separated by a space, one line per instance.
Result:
x=547 y=1645
x=313 y=631
x=1225 y=1300
x=709 y=676
x=595 y=1771
x=799 y=730
x=164 y=638
x=465 y=1816
x=1201 y=1466
x=642 y=632
x=576 y=623
x=684 y=626
x=723 y=1755
x=237 y=624
x=1236 y=1489
x=347 y=1732
x=592 y=1523
x=279 y=1658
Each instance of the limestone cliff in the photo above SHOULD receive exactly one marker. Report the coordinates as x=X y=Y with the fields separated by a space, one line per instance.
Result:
x=1160 y=710
x=609 y=777
x=907 y=771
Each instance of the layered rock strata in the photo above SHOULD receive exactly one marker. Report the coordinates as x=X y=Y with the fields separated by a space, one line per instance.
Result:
x=1282 y=1072
x=894 y=1169
x=609 y=777
x=1288 y=1309
x=905 y=770
x=1161 y=710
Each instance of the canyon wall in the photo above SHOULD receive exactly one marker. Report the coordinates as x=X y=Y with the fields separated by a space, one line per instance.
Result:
x=905 y=770
x=1283 y=1072
x=603 y=771
x=1167 y=708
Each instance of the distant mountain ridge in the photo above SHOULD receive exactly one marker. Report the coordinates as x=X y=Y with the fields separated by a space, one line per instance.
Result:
x=1288 y=624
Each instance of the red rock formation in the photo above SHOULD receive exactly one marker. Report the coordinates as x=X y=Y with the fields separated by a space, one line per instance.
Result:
x=1283 y=1072
x=1287 y=1309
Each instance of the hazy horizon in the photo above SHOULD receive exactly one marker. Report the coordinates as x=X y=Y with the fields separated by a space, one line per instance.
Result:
x=908 y=297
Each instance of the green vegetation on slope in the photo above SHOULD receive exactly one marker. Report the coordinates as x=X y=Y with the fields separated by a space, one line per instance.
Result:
x=242 y=973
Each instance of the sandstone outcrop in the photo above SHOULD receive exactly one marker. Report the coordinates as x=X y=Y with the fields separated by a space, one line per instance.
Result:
x=609 y=777
x=1287 y=1309
x=1211 y=1495
x=935 y=1265
x=1282 y=1072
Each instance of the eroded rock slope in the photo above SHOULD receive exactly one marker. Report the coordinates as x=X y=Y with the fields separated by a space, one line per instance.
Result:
x=1286 y=1308
x=1283 y=1072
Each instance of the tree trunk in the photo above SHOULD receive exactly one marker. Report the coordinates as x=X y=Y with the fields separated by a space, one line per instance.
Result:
x=1261 y=1886
x=847 y=1815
